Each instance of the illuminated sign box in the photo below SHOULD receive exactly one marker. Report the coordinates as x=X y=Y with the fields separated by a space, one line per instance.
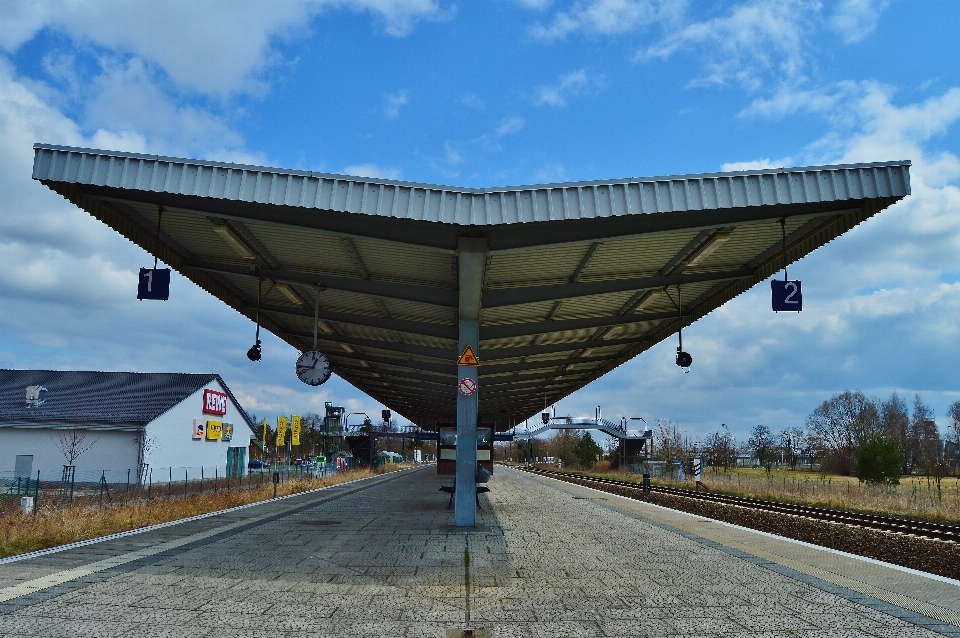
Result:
x=214 y=402
x=214 y=430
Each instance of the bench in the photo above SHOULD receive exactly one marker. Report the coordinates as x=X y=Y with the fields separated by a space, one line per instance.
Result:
x=482 y=477
x=452 y=489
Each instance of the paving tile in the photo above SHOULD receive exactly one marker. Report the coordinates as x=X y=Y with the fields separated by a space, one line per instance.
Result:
x=547 y=566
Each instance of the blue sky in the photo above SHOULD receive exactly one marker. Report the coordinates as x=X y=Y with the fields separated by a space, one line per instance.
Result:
x=494 y=93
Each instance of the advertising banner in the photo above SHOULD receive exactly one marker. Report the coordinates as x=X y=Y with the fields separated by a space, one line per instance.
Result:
x=199 y=426
x=264 y=432
x=295 y=430
x=214 y=430
x=281 y=431
x=227 y=432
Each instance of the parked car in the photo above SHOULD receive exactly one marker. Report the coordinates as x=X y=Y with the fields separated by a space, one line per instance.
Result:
x=255 y=465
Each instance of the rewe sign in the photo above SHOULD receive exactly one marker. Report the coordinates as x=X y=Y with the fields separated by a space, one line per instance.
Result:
x=214 y=402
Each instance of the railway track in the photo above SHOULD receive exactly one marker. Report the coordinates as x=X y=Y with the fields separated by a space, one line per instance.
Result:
x=923 y=529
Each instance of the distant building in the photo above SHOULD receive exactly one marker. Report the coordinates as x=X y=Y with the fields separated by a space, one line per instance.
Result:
x=128 y=420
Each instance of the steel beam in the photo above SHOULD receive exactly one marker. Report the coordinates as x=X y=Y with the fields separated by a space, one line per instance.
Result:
x=443 y=354
x=542 y=327
x=493 y=354
x=438 y=330
x=531 y=294
x=390 y=290
x=471 y=261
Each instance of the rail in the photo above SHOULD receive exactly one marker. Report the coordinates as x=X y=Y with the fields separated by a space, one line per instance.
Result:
x=920 y=528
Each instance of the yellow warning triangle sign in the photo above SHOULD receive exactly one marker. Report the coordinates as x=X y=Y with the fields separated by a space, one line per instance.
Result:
x=468 y=357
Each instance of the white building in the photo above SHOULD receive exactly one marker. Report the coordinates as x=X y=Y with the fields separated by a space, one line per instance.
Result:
x=128 y=421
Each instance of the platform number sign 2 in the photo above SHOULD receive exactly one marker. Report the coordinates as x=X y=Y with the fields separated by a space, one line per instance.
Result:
x=154 y=284
x=786 y=296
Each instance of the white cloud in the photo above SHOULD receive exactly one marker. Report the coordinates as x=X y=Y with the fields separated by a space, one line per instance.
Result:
x=68 y=291
x=215 y=46
x=534 y=4
x=490 y=141
x=470 y=100
x=556 y=94
x=789 y=100
x=755 y=165
x=394 y=102
x=854 y=20
x=126 y=98
x=453 y=155
x=552 y=173
x=608 y=17
x=754 y=39
x=866 y=126
x=372 y=170
x=509 y=126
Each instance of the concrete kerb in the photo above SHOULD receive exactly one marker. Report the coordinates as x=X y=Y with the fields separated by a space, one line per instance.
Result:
x=32 y=592
x=151 y=528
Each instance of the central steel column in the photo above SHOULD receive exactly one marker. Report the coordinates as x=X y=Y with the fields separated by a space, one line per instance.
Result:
x=471 y=258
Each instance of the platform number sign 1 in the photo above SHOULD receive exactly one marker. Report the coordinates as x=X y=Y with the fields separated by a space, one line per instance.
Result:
x=786 y=296
x=154 y=284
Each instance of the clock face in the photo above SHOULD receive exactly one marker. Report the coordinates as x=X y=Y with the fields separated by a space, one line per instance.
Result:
x=313 y=367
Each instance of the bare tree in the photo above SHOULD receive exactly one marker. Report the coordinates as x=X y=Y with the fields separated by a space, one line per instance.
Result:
x=953 y=430
x=762 y=444
x=840 y=425
x=669 y=441
x=923 y=439
x=73 y=443
x=896 y=425
x=721 y=447
x=144 y=444
x=791 y=441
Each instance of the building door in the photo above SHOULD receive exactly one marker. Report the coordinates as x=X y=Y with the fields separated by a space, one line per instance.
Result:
x=236 y=461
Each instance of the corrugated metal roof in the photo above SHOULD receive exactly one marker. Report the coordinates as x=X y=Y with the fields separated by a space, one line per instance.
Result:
x=123 y=398
x=469 y=206
x=573 y=278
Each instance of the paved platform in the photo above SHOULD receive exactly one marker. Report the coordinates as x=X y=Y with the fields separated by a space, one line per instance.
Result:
x=377 y=558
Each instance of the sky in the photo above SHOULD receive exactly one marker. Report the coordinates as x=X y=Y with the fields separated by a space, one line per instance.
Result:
x=503 y=92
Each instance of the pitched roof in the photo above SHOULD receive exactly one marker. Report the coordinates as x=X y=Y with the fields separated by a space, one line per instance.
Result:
x=109 y=398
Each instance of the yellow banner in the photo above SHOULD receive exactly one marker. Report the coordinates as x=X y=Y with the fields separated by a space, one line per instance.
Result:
x=264 y=432
x=295 y=430
x=281 y=431
x=214 y=430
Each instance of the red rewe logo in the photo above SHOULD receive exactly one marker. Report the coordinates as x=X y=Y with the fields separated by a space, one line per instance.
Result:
x=214 y=402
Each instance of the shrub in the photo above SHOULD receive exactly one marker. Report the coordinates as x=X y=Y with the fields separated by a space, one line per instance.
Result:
x=880 y=462
x=602 y=466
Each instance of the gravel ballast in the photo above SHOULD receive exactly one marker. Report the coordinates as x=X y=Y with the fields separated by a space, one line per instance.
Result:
x=928 y=555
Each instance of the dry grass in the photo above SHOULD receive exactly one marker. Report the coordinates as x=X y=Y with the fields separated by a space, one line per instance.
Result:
x=915 y=497
x=53 y=526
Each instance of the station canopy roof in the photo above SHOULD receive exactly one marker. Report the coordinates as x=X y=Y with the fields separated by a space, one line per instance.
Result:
x=575 y=275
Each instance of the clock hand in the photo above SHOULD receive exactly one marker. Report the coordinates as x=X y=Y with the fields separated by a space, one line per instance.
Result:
x=305 y=368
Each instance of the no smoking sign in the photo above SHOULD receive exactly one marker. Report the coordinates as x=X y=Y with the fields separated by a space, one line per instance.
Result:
x=467 y=386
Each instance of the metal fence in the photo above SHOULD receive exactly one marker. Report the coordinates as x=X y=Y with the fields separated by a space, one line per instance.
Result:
x=104 y=488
